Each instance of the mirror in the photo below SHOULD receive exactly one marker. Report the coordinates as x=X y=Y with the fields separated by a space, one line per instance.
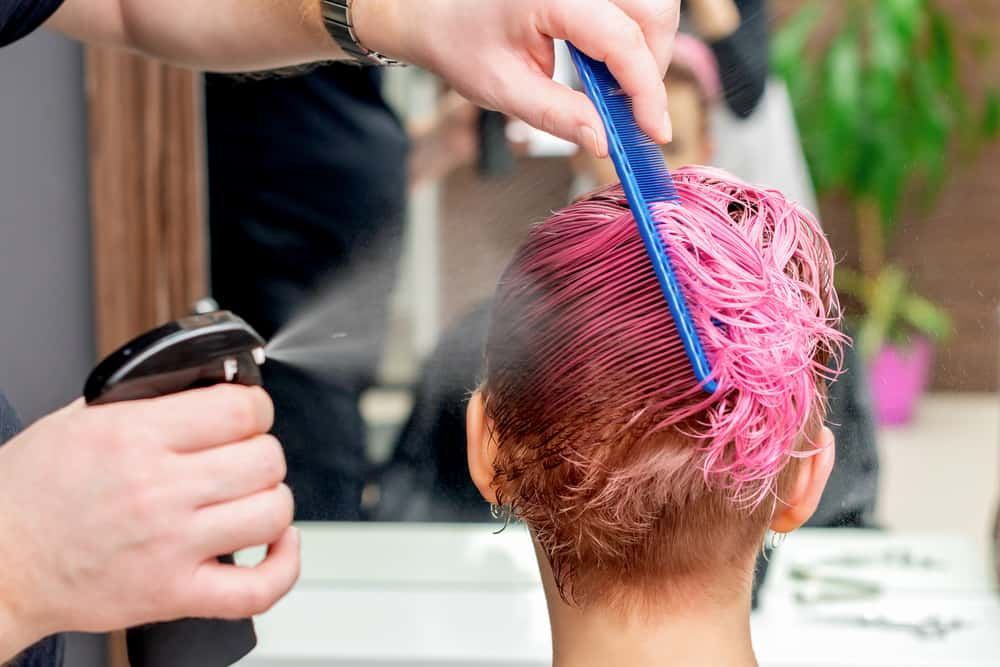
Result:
x=369 y=249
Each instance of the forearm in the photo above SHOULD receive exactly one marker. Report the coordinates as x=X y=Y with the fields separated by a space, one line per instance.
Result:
x=221 y=35
x=12 y=639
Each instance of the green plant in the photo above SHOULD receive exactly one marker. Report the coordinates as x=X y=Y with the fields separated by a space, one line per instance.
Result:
x=880 y=108
x=892 y=310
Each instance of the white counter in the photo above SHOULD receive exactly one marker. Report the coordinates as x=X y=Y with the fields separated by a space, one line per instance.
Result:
x=384 y=595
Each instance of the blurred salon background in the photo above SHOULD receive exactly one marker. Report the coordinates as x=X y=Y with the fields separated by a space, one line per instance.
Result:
x=362 y=218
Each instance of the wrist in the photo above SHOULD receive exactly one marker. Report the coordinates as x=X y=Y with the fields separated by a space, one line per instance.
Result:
x=379 y=27
x=19 y=627
x=21 y=623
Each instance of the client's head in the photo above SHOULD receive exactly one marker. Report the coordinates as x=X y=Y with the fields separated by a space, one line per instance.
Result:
x=637 y=485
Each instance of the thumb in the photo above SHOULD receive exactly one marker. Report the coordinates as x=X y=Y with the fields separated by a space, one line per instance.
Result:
x=561 y=111
x=233 y=592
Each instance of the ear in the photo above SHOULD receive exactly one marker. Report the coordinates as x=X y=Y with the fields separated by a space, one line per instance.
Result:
x=807 y=488
x=480 y=447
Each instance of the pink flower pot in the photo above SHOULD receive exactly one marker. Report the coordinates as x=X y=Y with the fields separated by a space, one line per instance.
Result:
x=898 y=378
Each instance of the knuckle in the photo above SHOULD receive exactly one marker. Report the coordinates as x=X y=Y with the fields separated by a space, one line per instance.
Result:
x=240 y=407
x=548 y=121
x=285 y=508
x=277 y=511
x=663 y=14
x=262 y=599
x=633 y=36
x=252 y=600
x=263 y=407
x=492 y=93
x=272 y=459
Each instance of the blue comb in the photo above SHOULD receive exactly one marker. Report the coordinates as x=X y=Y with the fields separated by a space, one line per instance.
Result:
x=647 y=181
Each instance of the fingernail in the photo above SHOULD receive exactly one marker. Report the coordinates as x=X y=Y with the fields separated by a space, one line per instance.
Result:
x=587 y=138
x=668 y=129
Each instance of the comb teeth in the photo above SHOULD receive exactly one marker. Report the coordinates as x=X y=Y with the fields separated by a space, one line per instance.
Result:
x=646 y=181
x=644 y=156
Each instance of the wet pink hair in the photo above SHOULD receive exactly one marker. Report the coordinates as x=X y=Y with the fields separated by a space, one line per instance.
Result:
x=604 y=439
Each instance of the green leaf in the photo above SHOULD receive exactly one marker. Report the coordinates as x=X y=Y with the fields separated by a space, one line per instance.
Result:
x=942 y=52
x=851 y=282
x=907 y=18
x=991 y=115
x=789 y=45
x=886 y=40
x=884 y=302
x=880 y=110
x=844 y=73
x=925 y=317
x=888 y=183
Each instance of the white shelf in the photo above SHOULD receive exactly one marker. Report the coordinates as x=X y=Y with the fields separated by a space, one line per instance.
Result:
x=386 y=595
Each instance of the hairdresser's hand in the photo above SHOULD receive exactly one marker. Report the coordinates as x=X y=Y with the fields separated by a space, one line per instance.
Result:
x=113 y=516
x=500 y=54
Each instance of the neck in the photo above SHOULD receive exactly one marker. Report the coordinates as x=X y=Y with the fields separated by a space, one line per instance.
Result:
x=715 y=632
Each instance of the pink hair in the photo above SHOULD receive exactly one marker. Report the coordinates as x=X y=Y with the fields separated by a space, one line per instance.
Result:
x=692 y=55
x=598 y=419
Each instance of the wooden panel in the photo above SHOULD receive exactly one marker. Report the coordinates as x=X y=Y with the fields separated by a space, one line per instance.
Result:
x=147 y=201
x=147 y=190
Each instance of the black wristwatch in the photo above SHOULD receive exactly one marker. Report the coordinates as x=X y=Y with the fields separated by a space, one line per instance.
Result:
x=337 y=18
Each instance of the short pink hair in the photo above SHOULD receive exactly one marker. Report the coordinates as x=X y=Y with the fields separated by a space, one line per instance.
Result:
x=626 y=471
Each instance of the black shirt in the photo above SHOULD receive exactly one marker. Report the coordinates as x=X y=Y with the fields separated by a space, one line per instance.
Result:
x=20 y=17
x=307 y=196
x=743 y=58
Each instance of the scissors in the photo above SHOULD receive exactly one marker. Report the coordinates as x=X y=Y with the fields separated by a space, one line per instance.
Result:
x=930 y=627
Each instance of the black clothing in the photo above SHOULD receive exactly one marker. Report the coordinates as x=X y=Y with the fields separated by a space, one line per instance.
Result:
x=47 y=653
x=852 y=490
x=18 y=18
x=743 y=58
x=427 y=478
x=307 y=189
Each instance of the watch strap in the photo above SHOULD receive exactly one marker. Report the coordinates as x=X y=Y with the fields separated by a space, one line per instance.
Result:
x=337 y=19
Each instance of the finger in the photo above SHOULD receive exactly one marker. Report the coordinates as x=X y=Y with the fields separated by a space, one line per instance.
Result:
x=194 y=420
x=234 y=471
x=239 y=524
x=605 y=33
x=659 y=20
x=231 y=592
x=560 y=111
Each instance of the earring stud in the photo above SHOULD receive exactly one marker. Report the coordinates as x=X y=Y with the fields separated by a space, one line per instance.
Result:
x=774 y=539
